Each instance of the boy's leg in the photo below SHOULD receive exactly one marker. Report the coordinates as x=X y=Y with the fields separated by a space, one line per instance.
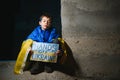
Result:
x=49 y=67
x=37 y=67
x=55 y=41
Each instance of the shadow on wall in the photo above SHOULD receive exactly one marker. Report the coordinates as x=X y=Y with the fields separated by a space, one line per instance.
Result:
x=70 y=66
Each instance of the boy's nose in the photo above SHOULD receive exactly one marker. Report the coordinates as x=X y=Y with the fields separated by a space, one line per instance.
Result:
x=47 y=22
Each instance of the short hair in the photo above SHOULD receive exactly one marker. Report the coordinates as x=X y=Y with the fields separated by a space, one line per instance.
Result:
x=45 y=15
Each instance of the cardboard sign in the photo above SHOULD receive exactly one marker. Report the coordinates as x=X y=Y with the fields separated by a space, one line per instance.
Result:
x=44 y=52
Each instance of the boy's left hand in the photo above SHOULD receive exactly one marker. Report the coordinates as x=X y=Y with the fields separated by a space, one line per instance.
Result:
x=58 y=52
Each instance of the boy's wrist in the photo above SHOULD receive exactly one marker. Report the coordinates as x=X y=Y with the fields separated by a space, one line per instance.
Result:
x=60 y=52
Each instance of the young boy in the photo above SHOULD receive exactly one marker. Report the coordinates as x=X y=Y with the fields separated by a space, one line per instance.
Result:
x=44 y=32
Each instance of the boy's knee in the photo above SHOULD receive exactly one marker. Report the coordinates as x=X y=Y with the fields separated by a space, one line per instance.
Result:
x=55 y=41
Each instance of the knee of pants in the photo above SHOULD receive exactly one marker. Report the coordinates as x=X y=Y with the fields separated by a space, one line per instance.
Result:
x=55 y=41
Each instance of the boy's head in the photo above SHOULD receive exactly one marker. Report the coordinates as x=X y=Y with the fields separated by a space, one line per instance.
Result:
x=45 y=21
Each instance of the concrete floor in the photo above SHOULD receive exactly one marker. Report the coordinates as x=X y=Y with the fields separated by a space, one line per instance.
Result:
x=6 y=73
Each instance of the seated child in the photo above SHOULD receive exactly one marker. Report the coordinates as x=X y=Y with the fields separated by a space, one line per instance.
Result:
x=44 y=32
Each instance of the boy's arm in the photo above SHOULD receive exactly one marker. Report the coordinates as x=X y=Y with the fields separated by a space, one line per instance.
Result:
x=32 y=35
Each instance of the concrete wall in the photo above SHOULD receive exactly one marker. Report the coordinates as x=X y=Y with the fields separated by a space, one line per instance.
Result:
x=91 y=29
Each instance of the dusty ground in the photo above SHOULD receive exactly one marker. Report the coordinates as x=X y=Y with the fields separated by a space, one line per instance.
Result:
x=6 y=73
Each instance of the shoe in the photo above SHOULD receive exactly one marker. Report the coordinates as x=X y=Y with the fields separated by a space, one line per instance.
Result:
x=28 y=66
x=48 y=68
x=37 y=68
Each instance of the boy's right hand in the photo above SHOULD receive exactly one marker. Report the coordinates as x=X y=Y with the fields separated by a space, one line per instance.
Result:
x=30 y=52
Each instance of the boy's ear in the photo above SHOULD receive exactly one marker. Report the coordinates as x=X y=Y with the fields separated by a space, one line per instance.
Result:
x=39 y=22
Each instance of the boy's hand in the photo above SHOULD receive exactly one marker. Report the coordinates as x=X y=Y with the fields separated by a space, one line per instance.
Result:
x=30 y=52
x=59 y=52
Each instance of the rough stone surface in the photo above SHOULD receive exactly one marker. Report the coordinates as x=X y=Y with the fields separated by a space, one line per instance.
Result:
x=91 y=30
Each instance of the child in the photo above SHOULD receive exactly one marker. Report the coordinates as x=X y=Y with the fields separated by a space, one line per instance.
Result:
x=44 y=32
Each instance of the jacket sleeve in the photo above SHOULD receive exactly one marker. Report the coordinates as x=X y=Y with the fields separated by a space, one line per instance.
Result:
x=33 y=34
x=53 y=35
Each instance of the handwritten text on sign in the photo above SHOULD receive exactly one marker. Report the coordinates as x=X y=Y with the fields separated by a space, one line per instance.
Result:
x=44 y=52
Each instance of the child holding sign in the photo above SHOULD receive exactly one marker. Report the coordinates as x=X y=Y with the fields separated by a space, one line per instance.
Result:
x=44 y=32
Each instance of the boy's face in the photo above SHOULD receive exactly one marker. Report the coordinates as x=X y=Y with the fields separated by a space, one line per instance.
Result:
x=45 y=23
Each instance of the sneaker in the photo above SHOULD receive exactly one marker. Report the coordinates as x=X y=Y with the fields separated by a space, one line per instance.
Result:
x=36 y=68
x=48 y=68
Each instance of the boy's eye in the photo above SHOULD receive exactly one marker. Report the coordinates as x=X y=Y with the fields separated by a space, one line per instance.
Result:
x=44 y=21
x=48 y=21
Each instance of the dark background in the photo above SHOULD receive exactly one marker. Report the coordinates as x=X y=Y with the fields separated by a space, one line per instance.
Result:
x=19 y=18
